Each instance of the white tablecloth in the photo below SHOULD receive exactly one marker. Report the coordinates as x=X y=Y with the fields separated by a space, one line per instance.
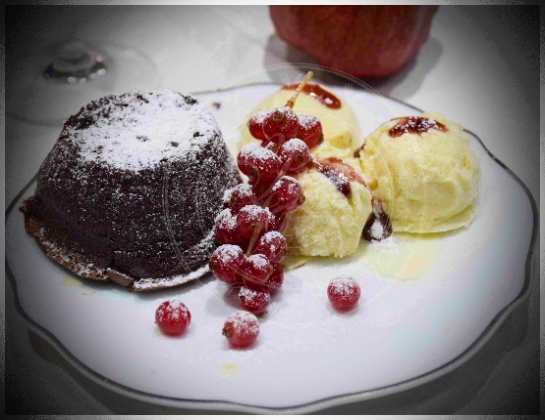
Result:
x=479 y=67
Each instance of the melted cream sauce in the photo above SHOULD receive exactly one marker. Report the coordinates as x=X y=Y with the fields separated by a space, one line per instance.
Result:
x=404 y=256
x=70 y=281
x=228 y=370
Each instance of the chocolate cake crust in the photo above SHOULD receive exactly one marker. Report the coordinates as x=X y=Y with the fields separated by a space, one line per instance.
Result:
x=130 y=191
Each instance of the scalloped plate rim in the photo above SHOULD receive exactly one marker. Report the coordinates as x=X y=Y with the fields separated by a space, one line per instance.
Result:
x=322 y=403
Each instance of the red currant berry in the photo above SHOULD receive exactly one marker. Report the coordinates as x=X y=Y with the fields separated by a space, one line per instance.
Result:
x=226 y=263
x=310 y=130
x=295 y=156
x=287 y=195
x=255 y=125
x=254 y=299
x=253 y=221
x=274 y=282
x=241 y=329
x=256 y=269
x=280 y=125
x=343 y=293
x=239 y=196
x=227 y=231
x=172 y=317
x=258 y=163
x=273 y=245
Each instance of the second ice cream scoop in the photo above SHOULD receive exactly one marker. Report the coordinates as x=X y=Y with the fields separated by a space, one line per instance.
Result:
x=424 y=172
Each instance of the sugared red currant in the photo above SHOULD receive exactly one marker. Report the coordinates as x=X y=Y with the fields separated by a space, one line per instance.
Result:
x=241 y=329
x=255 y=125
x=273 y=245
x=253 y=221
x=172 y=317
x=254 y=299
x=280 y=125
x=287 y=195
x=343 y=293
x=226 y=263
x=256 y=269
x=258 y=163
x=227 y=231
x=295 y=156
x=239 y=196
x=275 y=280
x=310 y=130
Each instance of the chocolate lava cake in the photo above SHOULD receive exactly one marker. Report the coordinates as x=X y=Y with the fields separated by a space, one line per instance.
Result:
x=130 y=191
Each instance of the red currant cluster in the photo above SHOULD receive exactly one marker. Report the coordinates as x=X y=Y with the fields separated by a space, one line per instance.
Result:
x=255 y=213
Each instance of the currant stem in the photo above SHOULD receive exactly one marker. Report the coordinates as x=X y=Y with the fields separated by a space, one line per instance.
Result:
x=252 y=241
x=291 y=101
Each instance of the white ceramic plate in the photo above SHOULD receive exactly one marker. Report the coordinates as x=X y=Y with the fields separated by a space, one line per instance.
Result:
x=307 y=357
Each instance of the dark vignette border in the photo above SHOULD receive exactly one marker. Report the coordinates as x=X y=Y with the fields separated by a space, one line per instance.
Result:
x=321 y=403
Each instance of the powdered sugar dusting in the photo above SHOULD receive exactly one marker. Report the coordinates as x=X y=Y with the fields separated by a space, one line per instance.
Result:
x=259 y=261
x=295 y=145
x=229 y=253
x=343 y=286
x=251 y=294
x=253 y=152
x=307 y=120
x=255 y=211
x=269 y=239
x=415 y=125
x=259 y=117
x=227 y=194
x=245 y=322
x=286 y=180
x=388 y=245
x=176 y=310
x=244 y=191
x=271 y=236
x=131 y=220
x=146 y=284
x=226 y=220
x=377 y=230
x=289 y=178
x=139 y=129
x=86 y=270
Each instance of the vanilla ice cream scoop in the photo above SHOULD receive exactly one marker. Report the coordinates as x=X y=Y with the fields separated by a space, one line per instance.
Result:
x=339 y=123
x=336 y=208
x=423 y=171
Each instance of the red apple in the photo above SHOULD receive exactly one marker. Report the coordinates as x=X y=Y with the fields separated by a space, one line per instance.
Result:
x=363 y=41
